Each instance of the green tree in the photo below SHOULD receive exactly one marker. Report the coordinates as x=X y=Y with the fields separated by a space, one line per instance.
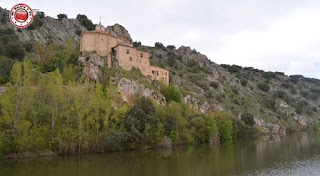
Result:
x=224 y=124
x=248 y=119
x=61 y=16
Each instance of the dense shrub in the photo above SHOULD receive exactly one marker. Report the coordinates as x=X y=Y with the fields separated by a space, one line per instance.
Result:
x=287 y=85
x=214 y=84
x=248 y=119
x=171 y=93
x=15 y=50
x=171 y=47
x=143 y=113
x=304 y=93
x=160 y=46
x=136 y=44
x=78 y=31
x=244 y=82
x=86 y=22
x=224 y=124
x=29 y=46
x=113 y=141
x=269 y=103
x=295 y=78
x=41 y=15
x=5 y=68
x=36 y=23
x=61 y=16
x=263 y=86
x=241 y=131
x=269 y=75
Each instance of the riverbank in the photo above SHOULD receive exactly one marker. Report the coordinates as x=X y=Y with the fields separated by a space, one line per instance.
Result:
x=257 y=157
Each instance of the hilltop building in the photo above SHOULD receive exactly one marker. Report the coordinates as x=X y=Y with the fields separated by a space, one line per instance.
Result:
x=119 y=48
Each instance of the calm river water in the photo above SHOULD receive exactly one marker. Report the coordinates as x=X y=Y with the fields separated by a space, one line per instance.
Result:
x=294 y=154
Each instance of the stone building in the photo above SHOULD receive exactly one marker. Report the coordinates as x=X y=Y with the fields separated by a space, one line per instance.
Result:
x=121 y=49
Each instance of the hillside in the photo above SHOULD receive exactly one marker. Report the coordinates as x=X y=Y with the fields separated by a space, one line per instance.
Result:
x=275 y=101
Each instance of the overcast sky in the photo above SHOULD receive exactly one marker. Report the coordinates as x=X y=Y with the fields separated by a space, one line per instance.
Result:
x=273 y=35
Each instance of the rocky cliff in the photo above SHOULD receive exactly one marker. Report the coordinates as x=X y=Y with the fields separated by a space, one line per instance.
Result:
x=277 y=101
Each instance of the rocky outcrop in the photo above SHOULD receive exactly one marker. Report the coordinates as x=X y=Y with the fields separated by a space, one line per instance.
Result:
x=119 y=31
x=91 y=64
x=51 y=29
x=128 y=88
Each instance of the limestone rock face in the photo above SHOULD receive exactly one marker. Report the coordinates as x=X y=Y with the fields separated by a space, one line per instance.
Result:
x=51 y=29
x=128 y=88
x=90 y=65
x=119 y=31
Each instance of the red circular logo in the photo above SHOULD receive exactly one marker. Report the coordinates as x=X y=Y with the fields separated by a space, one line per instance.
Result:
x=21 y=15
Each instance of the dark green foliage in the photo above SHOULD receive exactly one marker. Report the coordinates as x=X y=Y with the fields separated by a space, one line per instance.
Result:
x=160 y=46
x=263 y=86
x=316 y=91
x=113 y=141
x=6 y=31
x=61 y=16
x=78 y=31
x=29 y=46
x=86 y=22
x=172 y=59
x=15 y=50
x=269 y=103
x=283 y=95
x=171 y=93
x=242 y=131
x=304 y=93
x=41 y=15
x=214 y=84
x=170 y=123
x=232 y=68
x=269 y=75
x=171 y=47
x=287 y=85
x=142 y=113
x=314 y=109
x=314 y=96
x=192 y=63
x=224 y=125
x=5 y=68
x=5 y=39
x=279 y=73
x=244 y=82
x=293 y=91
x=303 y=107
x=295 y=78
x=7 y=143
x=36 y=23
x=136 y=44
x=248 y=119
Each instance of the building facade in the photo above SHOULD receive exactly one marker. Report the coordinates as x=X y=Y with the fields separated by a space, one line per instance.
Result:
x=112 y=47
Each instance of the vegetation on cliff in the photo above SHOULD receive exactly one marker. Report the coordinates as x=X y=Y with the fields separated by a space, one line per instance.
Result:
x=49 y=105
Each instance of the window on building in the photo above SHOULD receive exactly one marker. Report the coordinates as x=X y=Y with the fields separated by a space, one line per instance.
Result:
x=153 y=72
x=166 y=73
x=141 y=55
x=130 y=58
x=145 y=63
x=101 y=40
x=127 y=51
x=157 y=73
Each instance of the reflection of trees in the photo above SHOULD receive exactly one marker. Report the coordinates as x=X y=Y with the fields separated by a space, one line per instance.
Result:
x=226 y=159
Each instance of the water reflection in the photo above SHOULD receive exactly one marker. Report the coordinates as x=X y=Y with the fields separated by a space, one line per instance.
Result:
x=242 y=157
